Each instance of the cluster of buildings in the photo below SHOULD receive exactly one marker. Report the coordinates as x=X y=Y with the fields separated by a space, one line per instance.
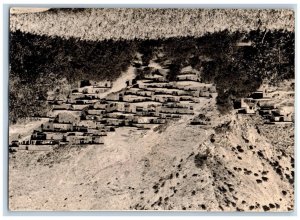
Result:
x=259 y=102
x=85 y=117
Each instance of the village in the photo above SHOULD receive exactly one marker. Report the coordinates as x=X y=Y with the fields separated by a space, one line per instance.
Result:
x=85 y=117
x=260 y=102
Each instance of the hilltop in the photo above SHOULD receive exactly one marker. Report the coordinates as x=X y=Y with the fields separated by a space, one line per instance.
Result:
x=100 y=24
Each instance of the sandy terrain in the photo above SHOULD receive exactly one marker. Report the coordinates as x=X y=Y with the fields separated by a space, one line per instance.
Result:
x=230 y=165
x=23 y=130
x=120 y=83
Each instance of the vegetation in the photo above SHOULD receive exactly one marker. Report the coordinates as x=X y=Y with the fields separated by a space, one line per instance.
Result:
x=39 y=63
x=200 y=159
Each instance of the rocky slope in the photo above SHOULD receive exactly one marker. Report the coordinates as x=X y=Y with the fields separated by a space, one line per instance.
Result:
x=230 y=165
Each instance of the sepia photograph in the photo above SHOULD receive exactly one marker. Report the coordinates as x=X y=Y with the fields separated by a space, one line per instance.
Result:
x=153 y=109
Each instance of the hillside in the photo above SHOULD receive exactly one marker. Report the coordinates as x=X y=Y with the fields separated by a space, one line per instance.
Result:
x=40 y=64
x=232 y=165
x=98 y=24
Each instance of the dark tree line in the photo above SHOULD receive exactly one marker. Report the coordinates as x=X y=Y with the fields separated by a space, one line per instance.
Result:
x=37 y=63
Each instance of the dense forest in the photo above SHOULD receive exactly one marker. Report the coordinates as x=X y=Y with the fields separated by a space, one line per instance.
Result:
x=39 y=63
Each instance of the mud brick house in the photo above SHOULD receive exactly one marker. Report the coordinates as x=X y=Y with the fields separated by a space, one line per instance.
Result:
x=160 y=79
x=54 y=135
x=165 y=98
x=102 y=84
x=266 y=105
x=140 y=108
x=93 y=90
x=178 y=105
x=159 y=121
x=131 y=91
x=100 y=124
x=80 y=128
x=85 y=100
x=36 y=135
x=115 y=122
x=143 y=119
x=93 y=117
x=126 y=107
x=188 y=99
x=154 y=85
x=71 y=101
x=80 y=107
x=257 y=95
x=63 y=126
x=279 y=115
x=146 y=113
x=45 y=142
x=144 y=93
x=143 y=84
x=84 y=83
x=120 y=115
x=24 y=142
x=100 y=105
x=67 y=117
x=74 y=140
x=59 y=102
x=79 y=113
x=135 y=98
x=152 y=120
x=14 y=144
x=88 y=123
x=277 y=118
x=204 y=90
x=249 y=105
x=188 y=77
x=288 y=113
x=97 y=112
x=115 y=96
x=84 y=139
x=99 y=90
x=173 y=110
x=50 y=99
x=93 y=97
x=170 y=91
x=97 y=139
x=155 y=75
x=63 y=106
x=113 y=106
x=75 y=95
x=93 y=131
